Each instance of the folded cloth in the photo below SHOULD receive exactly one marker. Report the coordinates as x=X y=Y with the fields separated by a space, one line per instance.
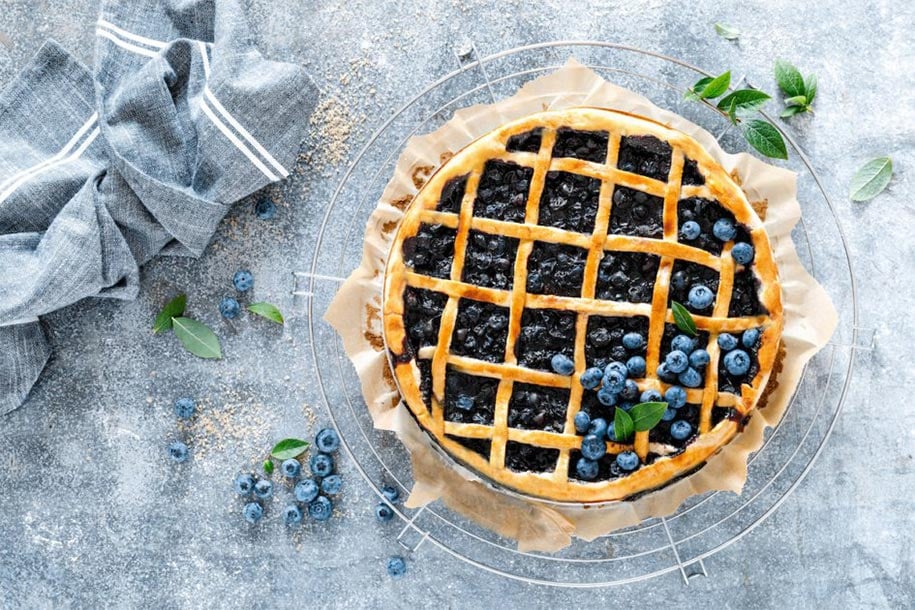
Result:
x=100 y=171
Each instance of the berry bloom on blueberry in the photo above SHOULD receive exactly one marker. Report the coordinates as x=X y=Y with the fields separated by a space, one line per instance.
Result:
x=243 y=280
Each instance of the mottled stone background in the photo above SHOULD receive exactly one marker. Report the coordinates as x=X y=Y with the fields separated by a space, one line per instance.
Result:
x=94 y=515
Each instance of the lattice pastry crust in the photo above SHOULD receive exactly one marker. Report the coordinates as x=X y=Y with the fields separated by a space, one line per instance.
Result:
x=502 y=185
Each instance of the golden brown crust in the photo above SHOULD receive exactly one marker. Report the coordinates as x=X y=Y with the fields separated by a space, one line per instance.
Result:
x=718 y=185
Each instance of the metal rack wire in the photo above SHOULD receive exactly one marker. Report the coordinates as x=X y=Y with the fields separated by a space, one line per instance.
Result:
x=704 y=525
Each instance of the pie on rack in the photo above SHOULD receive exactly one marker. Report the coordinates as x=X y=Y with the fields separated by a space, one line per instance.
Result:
x=530 y=294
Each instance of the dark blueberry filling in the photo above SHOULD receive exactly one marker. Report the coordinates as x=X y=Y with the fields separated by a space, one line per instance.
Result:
x=627 y=276
x=430 y=251
x=691 y=174
x=745 y=295
x=636 y=213
x=545 y=333
x=502 y=193
x=569 y=201
x=645 y=155
x=684 y=276
x=706 y=212
x=661 y=432
x=732 y=383
x=671 y=331
x=489 y=260
x=480 y=331
x=452 y=195
x=526 y=458
x=606 y=467
x=425 y=381
x=538 y=408
x=719 y=414
x=529 y=141
x=481 y=389
x=477 y=445
x=585 y=145
x=604 y=341
x=422 y=316
x=556 y=269
x=593 y=407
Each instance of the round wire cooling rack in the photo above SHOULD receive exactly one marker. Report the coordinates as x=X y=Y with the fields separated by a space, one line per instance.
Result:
x=704 y=524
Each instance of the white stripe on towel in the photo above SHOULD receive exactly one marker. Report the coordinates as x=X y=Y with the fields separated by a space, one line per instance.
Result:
x=238 y=143
x=206 y=59
x=135 y=37
x=123 y=44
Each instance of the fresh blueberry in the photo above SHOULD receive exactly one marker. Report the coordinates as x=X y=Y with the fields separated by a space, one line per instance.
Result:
x=185 y=408
x=698 y=359
x=327 y=441
x=678 y=280
x=625 y=406
x=320 y=509
x=590 y=379
x=675 y=397
x=244 y=484
x=668 y=414
x=650 y=396
x=464 y=402
x=598 y=427
x=630 y=390
x=636 y=366
x=690 y=230
x=737 y=362
x=683 y=343
x=321 y=464
x=383 y=512
x=742 y=253
x=676 y=361
x=391 y=493
x=263 y=489
x=633 y=341
x=292 y=515
x=243 y=280
x=177 y=451
x=627 y=460
x=700 y=297
x=727 y=341
x=724 y=229
x=690 y=378
x=593 y=447
x=253 y=512
x=750 y=338
x=291 y=468
x=617 y=367
x=586 y=469
x=562 y=364
x=606 y=397
x=664 y=373
x=331 y=485
x=229 y=308
x=305 y=490
x=265 y=209
x=681 y=430
x=611 y=432
x=582 y=421
x=614 y=381
x=397 y=567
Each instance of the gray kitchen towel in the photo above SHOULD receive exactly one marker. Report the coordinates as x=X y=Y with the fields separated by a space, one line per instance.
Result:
x=101 y=170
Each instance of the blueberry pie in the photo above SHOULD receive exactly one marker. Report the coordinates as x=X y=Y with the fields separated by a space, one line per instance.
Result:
x=531 y=292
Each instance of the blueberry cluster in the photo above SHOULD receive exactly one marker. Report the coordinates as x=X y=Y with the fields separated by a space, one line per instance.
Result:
x=580 y=144
x=636 y=213
x=694 y=285
x=229 y=307
x=556 y=269
x=489 y=260
x=529 y=141
x=383 y=510
x=739 y=361
x=430 y=251
x=645 y=155
x=311 y=492
x=480 y=330
x=502 y=192
x=685 y=363
x=627 y=276
x=569 y=202
x=184 y=407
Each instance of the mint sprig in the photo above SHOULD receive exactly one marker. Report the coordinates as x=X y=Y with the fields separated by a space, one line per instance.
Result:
x=737 y=107
x=799 y=92
x=640 y=418
x=683 y=319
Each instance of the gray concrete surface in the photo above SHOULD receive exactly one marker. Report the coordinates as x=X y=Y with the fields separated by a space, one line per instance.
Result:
x=92 y=514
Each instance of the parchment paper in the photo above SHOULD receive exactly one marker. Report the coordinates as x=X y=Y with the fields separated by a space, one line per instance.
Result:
x=355 y=313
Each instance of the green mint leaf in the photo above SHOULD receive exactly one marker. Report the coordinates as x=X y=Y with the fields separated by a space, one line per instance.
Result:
x=789 y=79
x=646 y=415
x=790 y=111
x=266 y=310
x=765 y=138
x=743 y=101
x=871 y=179
x=797 y=100
x=716 y=87
x=810 y=88
x=268 y=466
x=692 y=94
x=289 y=448
x=622 y=426
x=197 y=338
x=727 y=32
x=172 y=309
x=683 y=319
